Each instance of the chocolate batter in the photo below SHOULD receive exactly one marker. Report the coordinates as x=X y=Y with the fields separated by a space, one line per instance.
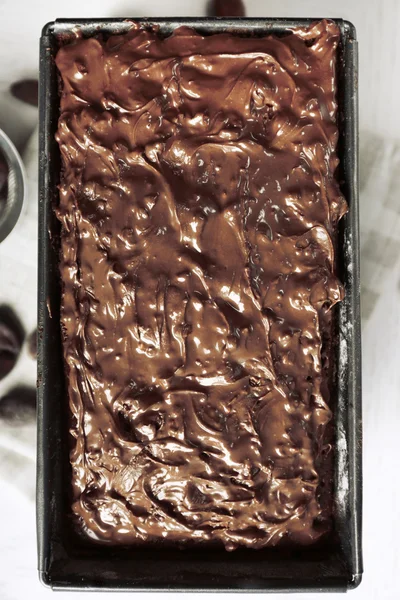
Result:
x=199 y=206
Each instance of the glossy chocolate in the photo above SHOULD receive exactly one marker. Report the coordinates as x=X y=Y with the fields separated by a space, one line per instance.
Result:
x=199 y=206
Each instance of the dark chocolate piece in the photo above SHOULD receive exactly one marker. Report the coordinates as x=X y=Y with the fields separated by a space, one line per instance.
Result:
x=226 y=8
x=199 y=206
x=32 y=344
x=19 y=406
x=26 y=90
x=11 y=337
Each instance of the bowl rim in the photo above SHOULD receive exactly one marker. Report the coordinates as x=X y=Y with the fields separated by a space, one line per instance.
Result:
x=14 y=202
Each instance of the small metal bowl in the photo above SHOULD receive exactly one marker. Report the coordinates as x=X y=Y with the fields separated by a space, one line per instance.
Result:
x=16 y=186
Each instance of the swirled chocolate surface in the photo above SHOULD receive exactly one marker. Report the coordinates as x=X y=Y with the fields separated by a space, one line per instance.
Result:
x=199 y=206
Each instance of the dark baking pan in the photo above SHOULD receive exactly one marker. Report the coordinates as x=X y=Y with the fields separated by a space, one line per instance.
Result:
x=68 y=562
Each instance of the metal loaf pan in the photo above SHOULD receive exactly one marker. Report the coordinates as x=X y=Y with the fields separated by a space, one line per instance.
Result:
x=68 y=562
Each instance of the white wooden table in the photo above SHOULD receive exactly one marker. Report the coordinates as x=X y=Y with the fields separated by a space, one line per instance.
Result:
x=378 y=24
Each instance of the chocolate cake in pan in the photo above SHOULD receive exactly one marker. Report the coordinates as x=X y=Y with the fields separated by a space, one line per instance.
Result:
x=199 y=380
x=199 y=208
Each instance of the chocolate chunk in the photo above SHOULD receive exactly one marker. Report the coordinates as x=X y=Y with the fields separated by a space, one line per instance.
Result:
x=26 y=90
x=32 y=344
x=226 y=8
x=18 y=407
x=11 y=337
